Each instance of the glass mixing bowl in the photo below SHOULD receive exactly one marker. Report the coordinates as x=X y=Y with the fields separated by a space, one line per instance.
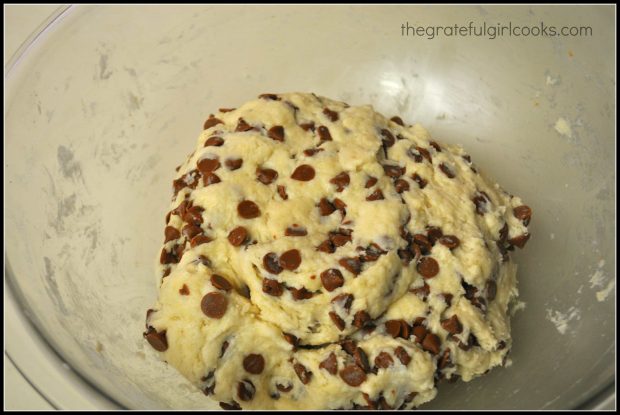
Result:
x=103 y=102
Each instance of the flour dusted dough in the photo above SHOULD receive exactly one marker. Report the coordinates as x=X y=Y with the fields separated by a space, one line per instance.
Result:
x=322 y=256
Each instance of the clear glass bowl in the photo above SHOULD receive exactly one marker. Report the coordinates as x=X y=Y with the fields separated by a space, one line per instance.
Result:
x=104 y=102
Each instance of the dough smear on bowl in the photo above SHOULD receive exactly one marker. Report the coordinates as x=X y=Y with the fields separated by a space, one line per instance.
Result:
x=322 y=256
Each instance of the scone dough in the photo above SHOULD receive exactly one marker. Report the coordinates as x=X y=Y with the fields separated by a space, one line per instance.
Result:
x=322 y=256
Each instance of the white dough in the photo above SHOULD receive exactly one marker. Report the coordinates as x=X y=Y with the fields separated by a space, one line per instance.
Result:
x=387 y=288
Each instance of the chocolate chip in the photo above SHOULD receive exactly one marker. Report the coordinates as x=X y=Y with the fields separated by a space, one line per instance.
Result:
x=234 y=406
x=353 y=265
x=491 y=290
x=519 y=241
x=405 y=255
x=349 y=346
x=272 y=97
x=168 y=257
x=171 y=233
x=227 y=109
x=444 y=360
x=427 y=267
x=214 y=305
x=178 y=185
x=168 y=216
x=340 y=237
x=401 y=185
x=326 y=246
x=326 y=208
x=248 y=209
x=420 y=333
x=447 y=298
x=312 y=151
x=340 y=205
x=332 y=115
x=523 y=213
x=189 y=231
x=220 y=282
x=420 y=181
x=203 y=260
x=211 y=121
x=361 y=359
x=282 y=192
x=361 y=318
x=210 y=178
x=290 y=259
x=271 y=263
x=324 y=133
x=423 y=242
x=383 y=360
x=397 y=120
x=266 y=176
x=307 y=126
x=276 y=133
x=283 y=388
x=332 y=279
x=233 y=164
x=353 y=375
x=238 y=236
x=254 y=363
x=242 y=126
x=392 y=327
x=301 y=293
x=166 y=272
x=337 y=320
x=157 y=339
x=303 y=173
x=447 y=170
x=214 y=141
x=387 y=138
x=193 y=215
x=245 y=390
x=302 y=373
x=376 y=195
x=179 y=250
x=291 y=339
x=431 y=343
x=330 y=364
x=295 y=231
x=481 y=202
x=199 y=240
x=370 y=182
x=207 y=165
x=272 y=287
x=372 y=253
x=450 y=241
x=424 y=152
x=452 y=325
x=181 y=209
x=341 y=181
x=435 y=146
x=402 y=355
x=344 y=300
x=393 y=171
